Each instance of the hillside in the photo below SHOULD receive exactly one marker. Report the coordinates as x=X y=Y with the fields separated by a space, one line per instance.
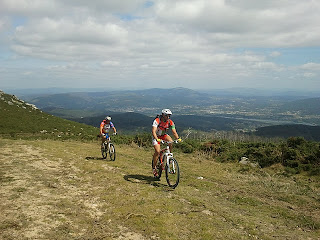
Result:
x=19 y=117
x=310 y=106
x=64 y=190
x=311 y=133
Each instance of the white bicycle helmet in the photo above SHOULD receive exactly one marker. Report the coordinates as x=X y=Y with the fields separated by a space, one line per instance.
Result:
x=108 y=118
x=166 y=111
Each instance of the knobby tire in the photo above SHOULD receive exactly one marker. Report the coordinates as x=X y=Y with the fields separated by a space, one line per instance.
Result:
x=172 y=173
x=104 y=151
x=112 y=152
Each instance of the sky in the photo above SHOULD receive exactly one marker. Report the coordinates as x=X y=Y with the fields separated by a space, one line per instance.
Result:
x=140 y=44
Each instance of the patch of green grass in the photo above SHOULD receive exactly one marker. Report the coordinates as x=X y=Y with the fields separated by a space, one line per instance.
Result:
x=245 y=201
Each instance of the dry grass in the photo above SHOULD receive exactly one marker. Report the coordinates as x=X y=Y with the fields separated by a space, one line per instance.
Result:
x=64 y=190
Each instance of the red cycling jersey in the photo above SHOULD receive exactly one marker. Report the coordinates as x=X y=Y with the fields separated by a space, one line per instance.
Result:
x=106 y=127
x=162 y=127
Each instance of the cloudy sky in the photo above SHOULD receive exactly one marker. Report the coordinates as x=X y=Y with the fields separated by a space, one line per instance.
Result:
x=138 y=44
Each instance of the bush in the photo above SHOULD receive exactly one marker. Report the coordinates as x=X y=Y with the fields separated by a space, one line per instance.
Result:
x=294 y=142
x=143 y=139
x=186 y=147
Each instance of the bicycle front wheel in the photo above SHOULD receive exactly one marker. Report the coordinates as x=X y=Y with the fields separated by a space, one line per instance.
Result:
x=112 y=152
x=172 y=173
x=104 y=151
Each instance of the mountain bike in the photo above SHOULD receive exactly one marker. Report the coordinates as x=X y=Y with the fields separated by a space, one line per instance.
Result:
x=167 y=162
x=108 y=147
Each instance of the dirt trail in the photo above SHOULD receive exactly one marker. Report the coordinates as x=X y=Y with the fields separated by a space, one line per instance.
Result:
x=36 y=187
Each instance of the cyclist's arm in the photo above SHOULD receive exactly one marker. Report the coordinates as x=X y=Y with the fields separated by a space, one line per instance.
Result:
x=174 y=131
x=114 y=129
x=101 y=129
x=154 y=132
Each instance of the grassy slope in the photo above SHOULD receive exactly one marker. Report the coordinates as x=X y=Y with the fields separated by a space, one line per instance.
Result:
x=18 y=117
x=64 y=190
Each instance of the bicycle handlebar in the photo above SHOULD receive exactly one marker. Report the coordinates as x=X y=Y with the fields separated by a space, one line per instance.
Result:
x=168 y=142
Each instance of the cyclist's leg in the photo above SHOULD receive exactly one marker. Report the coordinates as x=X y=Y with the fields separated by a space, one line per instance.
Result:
x=107 y=137
x=156 y=154
x=103 y=138
x=168 y=139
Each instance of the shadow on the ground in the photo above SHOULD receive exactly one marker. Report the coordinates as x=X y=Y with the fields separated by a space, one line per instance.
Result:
x=97 y=158
x=137 y=178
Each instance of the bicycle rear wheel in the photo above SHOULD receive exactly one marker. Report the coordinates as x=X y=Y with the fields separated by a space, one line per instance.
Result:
x=104 y=151
x=172 y=173
x=112 y=152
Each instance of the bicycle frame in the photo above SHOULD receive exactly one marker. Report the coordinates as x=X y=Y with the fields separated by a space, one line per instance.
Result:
x=107 y=143
x=165 y=155
x=169 y=164
x=108 y=147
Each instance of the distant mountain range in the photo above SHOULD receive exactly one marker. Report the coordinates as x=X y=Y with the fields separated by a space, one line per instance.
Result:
x=217 y=92
x=122 y=99
x=20 y=116
x=182 y=99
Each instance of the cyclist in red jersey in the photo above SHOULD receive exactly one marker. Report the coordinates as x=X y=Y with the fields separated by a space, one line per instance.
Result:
x=105 y=126
x=159 y=132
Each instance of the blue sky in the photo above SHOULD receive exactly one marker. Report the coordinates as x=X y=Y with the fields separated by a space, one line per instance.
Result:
x=137 y=44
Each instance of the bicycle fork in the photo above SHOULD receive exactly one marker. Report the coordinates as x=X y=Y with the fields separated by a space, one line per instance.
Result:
x=173 y=168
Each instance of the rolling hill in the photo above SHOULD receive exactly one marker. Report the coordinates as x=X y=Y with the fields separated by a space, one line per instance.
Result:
x=311 y=133
x=122 y=99
x=19 y=117
x=309 y=106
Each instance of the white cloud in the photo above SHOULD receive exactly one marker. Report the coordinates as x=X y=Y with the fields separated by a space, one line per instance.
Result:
x=29 y=7
x=275 y=54
x=309 y=75
x=267 y=66
x=110 y=63
x=2 y=24
x=28 y=73
x=66 y=39
x=182 y=40
x=311 y=66
x=273 y=24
